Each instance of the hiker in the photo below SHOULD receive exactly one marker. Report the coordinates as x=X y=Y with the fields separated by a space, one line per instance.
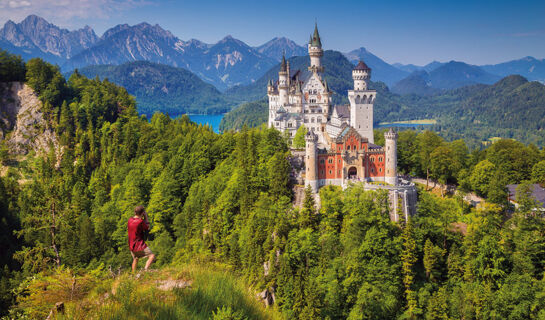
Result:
x=136 y=226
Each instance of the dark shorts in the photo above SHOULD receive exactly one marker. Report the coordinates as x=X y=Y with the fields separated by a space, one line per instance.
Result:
x=141 y=254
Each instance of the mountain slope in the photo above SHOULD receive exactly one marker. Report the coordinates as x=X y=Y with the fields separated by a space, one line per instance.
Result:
x=513 y=102
x=411 y=67
x=528 y=67
x=230 y=62
x=162 y=88
x=417 y=82
x=277 y=46
x=381 y=71
x=125 y=43
x=450 y=75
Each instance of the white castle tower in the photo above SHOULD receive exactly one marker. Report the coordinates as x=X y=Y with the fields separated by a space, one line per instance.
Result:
x=283 y=82
x=390 y=145
x=361 y=102
x=315 y=51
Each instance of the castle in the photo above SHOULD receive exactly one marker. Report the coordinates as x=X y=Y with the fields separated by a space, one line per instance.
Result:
x=340 y=145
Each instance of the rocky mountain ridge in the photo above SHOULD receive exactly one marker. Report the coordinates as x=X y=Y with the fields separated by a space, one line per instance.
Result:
x=35 y=33
x=278 y=46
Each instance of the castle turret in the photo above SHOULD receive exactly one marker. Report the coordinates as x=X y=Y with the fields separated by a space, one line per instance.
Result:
x=315 y=51
x=283 y=82
x=270 y=87
x=361 y=102
x=361 y=75
x=311 y=155
x=390 y=147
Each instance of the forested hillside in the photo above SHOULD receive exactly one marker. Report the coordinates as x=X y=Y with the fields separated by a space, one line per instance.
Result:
x=226 y=200
x=163 y=88
x=250 y=114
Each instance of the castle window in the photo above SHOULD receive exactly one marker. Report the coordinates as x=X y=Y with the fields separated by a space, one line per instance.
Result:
x=379 y=169
x=372 y=159
x=330 y=161
x=379 y=159
x=339 y=172
x=322 y=161
x=339 y=160
x=373 y=170
x=329 y=171
x=312 y=120
x=348 y=148
x=322 y=172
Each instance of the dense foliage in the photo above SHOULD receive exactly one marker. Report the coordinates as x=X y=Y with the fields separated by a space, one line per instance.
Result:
x=228 y=198
x=250 y=114
x=12 y=67
x=158 y=87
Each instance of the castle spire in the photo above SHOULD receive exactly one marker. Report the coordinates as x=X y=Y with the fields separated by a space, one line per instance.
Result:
x=283 y=66
x=315 y=39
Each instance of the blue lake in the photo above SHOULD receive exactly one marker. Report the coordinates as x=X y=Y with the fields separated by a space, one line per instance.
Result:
x=211 y=120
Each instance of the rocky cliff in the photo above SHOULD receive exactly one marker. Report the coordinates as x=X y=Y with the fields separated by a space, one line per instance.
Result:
x=22 y=122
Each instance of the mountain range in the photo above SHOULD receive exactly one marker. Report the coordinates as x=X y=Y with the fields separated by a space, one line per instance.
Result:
x=449 y=75
x=227 y=63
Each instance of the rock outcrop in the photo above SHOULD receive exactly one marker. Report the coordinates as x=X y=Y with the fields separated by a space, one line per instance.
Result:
x=22 y=122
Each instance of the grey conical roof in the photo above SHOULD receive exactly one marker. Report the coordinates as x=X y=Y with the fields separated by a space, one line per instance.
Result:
x=315 y=39
x=283 y=66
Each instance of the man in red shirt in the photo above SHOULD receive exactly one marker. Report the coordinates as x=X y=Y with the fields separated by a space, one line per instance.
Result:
x=136 y=227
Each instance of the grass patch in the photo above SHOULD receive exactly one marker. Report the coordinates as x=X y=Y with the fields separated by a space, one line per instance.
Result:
x=212 y=291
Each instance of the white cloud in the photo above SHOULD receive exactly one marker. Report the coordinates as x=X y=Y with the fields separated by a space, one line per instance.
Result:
x=64 y=12
x=18 y=4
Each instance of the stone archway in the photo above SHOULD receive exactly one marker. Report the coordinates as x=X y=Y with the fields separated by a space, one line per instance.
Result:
x=352 y=173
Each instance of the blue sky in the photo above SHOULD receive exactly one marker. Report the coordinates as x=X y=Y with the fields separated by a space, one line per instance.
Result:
x=418 y=31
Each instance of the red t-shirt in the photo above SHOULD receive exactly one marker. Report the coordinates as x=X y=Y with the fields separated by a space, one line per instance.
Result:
x=136 y=227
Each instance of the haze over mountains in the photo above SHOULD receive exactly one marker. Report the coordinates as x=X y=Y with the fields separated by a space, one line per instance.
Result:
x=229 y=62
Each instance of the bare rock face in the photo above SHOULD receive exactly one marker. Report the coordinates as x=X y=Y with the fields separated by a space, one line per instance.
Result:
x=22 y=122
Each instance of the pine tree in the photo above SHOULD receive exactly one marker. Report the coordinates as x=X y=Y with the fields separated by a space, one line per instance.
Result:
x=409 y=258
x=307 y=214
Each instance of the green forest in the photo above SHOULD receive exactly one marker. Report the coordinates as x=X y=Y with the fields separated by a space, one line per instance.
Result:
x=158 y=87
x=224 y=203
